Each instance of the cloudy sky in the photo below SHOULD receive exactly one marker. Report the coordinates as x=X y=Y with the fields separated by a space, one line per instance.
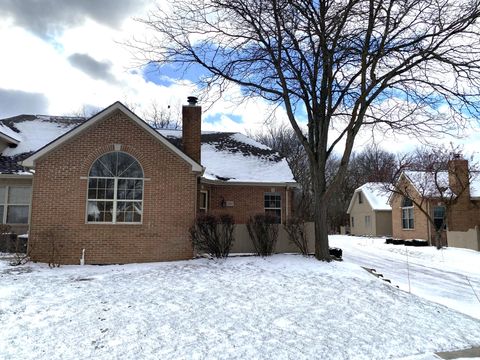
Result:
x=67 y=57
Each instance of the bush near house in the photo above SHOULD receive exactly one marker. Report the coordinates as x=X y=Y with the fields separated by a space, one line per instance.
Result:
x=263 y=231
x=295 y=228
x=10 y=242
x=213 y=235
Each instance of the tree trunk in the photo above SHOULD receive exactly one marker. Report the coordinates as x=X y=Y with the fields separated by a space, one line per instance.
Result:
x=322 y=251
x=438 y=239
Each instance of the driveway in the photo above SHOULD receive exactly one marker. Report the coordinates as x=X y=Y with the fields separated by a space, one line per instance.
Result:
x=450 y=277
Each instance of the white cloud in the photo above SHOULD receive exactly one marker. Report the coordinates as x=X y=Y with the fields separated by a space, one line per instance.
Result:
x=32 y=64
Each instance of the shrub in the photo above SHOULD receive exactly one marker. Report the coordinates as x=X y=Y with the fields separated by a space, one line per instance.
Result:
x=263 y=231
x=5 y=238
x=213 y=235
x=295 y=228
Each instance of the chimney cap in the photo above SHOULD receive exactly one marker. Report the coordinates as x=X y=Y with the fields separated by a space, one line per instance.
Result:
x=192 y=100
x=457 y=156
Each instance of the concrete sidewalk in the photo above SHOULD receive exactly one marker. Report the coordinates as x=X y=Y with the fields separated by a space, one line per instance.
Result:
x=460 y=354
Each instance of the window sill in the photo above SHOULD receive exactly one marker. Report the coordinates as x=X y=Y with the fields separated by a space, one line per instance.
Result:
x=109 y=223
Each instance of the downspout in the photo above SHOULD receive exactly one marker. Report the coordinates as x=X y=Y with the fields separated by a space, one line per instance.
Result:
x=82 y=259
x=429 y=234
x=286 y=203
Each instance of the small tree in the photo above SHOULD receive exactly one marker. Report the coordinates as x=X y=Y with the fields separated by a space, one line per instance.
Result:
x=213 y=235
x=263 y=231
x=295 y=229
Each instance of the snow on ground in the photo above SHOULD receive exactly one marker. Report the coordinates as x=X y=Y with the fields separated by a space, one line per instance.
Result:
x=283 y=307
x=444 y=276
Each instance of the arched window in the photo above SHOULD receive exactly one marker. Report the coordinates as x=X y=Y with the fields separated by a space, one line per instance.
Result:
x=115 y=189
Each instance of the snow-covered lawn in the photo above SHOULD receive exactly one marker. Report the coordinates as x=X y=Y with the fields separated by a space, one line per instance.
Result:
x=283 y=307
x=450 y=276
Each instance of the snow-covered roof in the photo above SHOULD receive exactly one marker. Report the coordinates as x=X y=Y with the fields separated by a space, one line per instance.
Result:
x=375 y=193
x=227 y=157
x=426 y=184
x=31 y=132
x=234 y=157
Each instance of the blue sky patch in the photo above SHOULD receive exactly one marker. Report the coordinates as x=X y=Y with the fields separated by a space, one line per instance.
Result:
x=212 y=119
x=165 y=75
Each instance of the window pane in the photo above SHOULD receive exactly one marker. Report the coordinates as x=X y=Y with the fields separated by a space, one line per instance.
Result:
x=2 y=195
x=272 y=200
x=128 y=166
x=407 y=202
x=116 y=164
x=129 y=211
x=100 y=211
x=19 y=195
x=438 y=212
x=103 y=166
x=277 y=213
x=17 y=214
x=1 y=213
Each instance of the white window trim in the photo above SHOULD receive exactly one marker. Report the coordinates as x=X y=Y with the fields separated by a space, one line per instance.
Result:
x=114 y=201
x=6 y=204
x=368 y=224
x=413 y=217
x=274 y=208
x=206 y=200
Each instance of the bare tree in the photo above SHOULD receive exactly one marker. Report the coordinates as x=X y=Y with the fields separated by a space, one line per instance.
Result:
x=342 y=65
x=85 y=111
x=163 y=117
x=373 y=164
x=437 y=183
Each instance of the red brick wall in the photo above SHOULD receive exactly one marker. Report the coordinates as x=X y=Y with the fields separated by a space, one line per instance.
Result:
x=60 y=191
x=191 y=131
x=247 y=200
x=464 y=215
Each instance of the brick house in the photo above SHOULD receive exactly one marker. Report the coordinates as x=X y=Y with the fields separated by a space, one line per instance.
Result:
x=369 y=211
x=463 y=218
x=125 y=192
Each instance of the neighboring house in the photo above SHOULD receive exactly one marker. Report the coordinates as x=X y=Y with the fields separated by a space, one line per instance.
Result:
x=369 y=211
x=126 y=192
x=463 y=218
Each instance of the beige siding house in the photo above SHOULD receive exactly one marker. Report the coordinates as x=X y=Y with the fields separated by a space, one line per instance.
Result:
x=369 y=211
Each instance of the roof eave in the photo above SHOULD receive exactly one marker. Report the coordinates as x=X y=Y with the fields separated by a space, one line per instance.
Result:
x=9 y=139
x=290 y=184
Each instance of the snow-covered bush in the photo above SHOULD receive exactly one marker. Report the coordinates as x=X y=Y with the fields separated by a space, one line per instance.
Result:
x=263 y=231
x=213 y=235
x=295 y=228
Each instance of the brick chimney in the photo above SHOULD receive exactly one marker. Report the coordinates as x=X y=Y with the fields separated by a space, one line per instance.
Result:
x=191 y=129
x=458 y=176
